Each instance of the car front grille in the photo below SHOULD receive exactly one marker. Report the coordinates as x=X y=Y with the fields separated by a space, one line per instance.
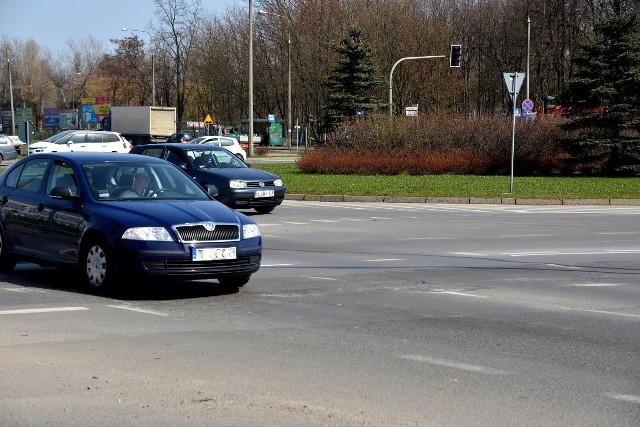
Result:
x=256 y=184
x=187 y=266
x=208 y=232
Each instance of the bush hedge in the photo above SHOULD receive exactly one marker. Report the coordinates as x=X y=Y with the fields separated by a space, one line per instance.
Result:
x=446 y=144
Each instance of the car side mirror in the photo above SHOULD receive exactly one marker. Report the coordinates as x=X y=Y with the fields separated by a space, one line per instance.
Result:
x=212 y=190
x=62 y=192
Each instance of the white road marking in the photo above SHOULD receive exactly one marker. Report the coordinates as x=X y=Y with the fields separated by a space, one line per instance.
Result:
x=455 y=365
x=139 y=310
x=594 y=285
x=382 y=259
x=24 y=290
x=276 y=265
x=612 y=313
x=318 y=278
x=631 y=398
x=461 y=294
x=43 y=310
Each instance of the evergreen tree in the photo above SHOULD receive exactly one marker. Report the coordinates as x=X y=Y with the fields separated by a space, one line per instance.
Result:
x=604 y=96
x=352 y=80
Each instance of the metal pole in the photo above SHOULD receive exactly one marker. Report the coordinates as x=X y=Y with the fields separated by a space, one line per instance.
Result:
x=528 y=45
x=153 y=80
x=13 y=113
x=391 y=76
x=250 y=132
x=289 y=94
x=513 y=131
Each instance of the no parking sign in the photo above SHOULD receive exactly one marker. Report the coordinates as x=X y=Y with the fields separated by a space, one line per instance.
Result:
x=527 y=105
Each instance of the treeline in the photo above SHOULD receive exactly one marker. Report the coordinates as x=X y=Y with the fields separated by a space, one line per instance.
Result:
x=200 y=62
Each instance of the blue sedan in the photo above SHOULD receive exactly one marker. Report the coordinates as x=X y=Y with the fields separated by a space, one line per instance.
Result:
x=239 y=186
x=90 y=212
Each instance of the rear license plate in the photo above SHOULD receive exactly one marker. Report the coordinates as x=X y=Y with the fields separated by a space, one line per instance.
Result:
x=212 y=254
x=263 y=193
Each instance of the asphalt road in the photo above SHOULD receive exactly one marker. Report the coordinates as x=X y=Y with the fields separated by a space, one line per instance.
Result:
x=372 y=314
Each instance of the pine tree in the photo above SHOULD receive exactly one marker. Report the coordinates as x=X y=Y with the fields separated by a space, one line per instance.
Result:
x=604 y=96
x=352 y=80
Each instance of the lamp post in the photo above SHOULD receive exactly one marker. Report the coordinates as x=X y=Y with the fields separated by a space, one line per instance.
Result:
x=250 y=130
x=13 y=114
x=73 y=99
x=391 y=76
x=264 y=12
x=153 y=65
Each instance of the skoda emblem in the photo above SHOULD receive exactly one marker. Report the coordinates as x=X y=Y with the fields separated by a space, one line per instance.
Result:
x=209 y=226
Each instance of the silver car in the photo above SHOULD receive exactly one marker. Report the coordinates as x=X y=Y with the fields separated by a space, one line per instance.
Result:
x=7 y=149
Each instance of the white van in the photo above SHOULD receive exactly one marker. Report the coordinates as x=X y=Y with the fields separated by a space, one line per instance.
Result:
x=82 y=140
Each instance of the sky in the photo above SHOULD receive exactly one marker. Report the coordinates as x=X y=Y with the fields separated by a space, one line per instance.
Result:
x=51 y=23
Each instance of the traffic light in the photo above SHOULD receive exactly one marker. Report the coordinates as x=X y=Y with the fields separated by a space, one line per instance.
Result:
x=454 y=56
x=549 y=103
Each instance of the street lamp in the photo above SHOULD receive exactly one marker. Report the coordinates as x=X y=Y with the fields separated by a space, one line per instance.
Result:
x=13 y=114
x=250 y=130
x=264 y=12
x=73 y=99
x=153 y=65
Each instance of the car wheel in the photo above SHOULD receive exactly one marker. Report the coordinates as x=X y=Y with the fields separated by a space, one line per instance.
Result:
x=264 y=209
x=95 y=265
x=240 y=156
x=234 y=281
x=7 y=263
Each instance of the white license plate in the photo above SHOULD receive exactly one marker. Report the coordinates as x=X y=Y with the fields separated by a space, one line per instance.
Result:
x=263 y=193
x=212 y=254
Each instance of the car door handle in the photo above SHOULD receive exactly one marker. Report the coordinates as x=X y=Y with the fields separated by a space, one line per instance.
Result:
x=40 y=207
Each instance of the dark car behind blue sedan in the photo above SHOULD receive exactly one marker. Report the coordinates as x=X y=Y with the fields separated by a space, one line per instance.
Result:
x=239 y=185
x=90 y=212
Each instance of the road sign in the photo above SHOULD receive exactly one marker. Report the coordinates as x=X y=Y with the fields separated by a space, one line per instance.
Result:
x=527 y=105
x=208 y=120
x=513 y=81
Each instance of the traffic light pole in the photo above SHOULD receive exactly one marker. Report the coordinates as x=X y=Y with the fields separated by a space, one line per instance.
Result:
x=391 y=76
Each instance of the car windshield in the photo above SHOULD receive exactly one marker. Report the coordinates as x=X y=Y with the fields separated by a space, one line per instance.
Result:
x=199 y=140
x=141 y=181
x=204 y=158
x=57 y=136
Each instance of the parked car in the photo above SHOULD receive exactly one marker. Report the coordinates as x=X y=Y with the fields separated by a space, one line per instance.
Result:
x=227 y=142
x=62 y=209
x=7 y=149
x=239 y=185
x=82 y=140
x=16 y=141
x=183 y=136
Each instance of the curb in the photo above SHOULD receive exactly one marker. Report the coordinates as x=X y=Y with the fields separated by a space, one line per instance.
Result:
x=462 y=200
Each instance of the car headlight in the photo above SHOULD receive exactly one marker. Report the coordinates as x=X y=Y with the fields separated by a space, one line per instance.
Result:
x=278 y=183
x=159 y=234
x=234 y=183
x=250 y=230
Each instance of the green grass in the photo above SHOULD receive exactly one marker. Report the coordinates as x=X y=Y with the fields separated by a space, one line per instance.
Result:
x=299 y=182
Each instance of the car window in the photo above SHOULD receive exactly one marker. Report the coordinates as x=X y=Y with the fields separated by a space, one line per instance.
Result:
x=165 y=181
x=226 y=142
x=31 y=175
x=111 y=137
x=4 y=140
x=152 y=152
x=176 y=158
x=62 y=175
x=94 y=137
x=225 y=159
x=57 y=136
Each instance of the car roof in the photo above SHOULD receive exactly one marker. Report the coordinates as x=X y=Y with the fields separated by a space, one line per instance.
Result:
x=184 y=146
x=81 y=157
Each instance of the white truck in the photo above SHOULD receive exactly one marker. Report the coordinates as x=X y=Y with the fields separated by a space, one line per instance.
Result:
x=142 y=124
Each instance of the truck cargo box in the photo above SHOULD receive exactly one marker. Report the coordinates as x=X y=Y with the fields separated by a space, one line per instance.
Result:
x=143 y=124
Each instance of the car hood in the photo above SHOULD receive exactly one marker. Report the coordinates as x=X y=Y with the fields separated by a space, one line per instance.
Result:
x=174 y=212
x=247 y=174
x=40 y=144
